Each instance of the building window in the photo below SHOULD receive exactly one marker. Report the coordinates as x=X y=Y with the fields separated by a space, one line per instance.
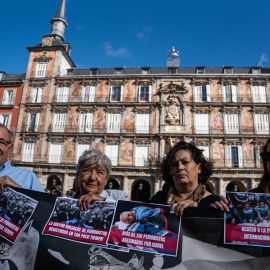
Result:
x=33 y=122
x=118 y=71
x=231 y=123
x=112 y=151
x=42 y=69
x=200 y=70
x=229 y=93
x=86 y=122
x=142 y=156
x=55 y=155
x=201 y=123
x=261 y=123
x=94 y=72
x=258 y=94
x=116 y=93
x=5 y=119
x=145 y=93
x=81 y=148
x=202 y=93
x=145 y=71
x=172 y=70
x=143 y=123
x=114 y=123
x=62 y=94
x=256 y=70
x=36 y=95
x=228 y=70
x=8 y=97
x=59 y=122
x=28 y=152
x=235 y=158
x=206 y=151
x=88 y=93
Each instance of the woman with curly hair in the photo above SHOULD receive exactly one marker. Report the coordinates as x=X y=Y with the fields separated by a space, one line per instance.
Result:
x=185 y=170
x=264 y=185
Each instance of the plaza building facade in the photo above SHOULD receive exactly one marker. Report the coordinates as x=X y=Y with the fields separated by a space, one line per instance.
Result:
x=134 y=115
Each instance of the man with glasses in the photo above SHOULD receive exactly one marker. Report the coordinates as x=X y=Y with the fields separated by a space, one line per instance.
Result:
x=13 y=176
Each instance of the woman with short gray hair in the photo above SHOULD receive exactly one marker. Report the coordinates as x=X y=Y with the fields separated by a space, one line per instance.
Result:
x=93 y=171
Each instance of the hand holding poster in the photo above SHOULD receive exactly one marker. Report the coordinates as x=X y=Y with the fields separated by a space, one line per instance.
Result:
x=69 y=222
x=248 y=220
x=142 y=226
x=15 y=211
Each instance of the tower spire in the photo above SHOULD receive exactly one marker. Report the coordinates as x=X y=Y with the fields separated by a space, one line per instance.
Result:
x=59 y=22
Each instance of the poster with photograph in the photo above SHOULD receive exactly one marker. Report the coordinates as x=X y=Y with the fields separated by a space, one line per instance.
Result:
x=146 y=227
x=248 y=219
x=15 y=211
x=69 y=222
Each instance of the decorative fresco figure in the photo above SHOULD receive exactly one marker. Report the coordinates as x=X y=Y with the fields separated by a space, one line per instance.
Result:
x=76 y=93
x=247 y=120
x=248 y=154
x=130 y=91
x=72 y=119
x=100 y=120
x=172 y=111
x=218 y=153
x=126 y=153
x=129 y=120
x=102 y=94
x=69 y=151
x=217 y=122
x=97 y=144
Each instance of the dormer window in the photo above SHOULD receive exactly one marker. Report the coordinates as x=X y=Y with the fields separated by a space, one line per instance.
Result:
x=118 y=71
x=145 y=70
x=200 y=70
x=228 y=70
x=94 y=71
x=172 y=70
x=256 y=70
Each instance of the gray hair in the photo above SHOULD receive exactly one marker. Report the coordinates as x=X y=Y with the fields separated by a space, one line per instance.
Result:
x=10 y=134
x=95 y=157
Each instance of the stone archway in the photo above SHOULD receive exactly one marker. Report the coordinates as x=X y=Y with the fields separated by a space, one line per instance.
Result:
x=210 y=187
x=236 y=186
x=140 y=191
x=54 y=185
x=112 y=184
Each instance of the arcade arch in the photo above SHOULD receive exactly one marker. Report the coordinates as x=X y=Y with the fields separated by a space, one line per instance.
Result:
x=140 y=191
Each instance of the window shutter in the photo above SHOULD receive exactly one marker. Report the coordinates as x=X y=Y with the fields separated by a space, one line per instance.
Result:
x=112 y=153
x=92 y=93
x=114 y=123
x=234 y=93
x=36 y=127
x=28 y=153
x=142 y=156
x=198 y=92
x=55 y=153
x=81 y=148
x=143 y=123
x=208 y=92
x=229 y=157
x=262 y=92
x=88 y=122
x=150 y=93
x=5 y=97
x=240 y=156
x=202 y=123
x=223 y=94
x=206 y=151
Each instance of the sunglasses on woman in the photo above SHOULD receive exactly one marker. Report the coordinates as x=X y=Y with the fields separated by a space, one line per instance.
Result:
x=265 y=156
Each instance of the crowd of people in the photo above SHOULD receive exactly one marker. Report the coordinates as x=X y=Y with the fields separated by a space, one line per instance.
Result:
x=184 y=169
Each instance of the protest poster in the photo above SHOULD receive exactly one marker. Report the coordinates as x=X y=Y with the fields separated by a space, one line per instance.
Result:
x=15 y=211
x=69 y=222
x=146 y=227
x=247 y=222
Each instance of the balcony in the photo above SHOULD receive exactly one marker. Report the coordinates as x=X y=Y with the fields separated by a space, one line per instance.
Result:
x=40 y=74
x=35 y=99
x=7 y=102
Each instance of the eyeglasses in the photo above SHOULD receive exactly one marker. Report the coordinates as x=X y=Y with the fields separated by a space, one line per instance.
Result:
x=4 y=143
x=265 y=156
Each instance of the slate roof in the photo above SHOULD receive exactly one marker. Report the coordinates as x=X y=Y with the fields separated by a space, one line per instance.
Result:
x=12 y=77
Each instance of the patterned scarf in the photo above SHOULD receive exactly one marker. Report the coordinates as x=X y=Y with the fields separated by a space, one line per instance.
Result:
x=196 y=196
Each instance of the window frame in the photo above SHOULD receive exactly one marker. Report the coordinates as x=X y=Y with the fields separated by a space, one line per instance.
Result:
x=121 y=94
x=9 y=101
x=264 y=125
x=54 y=149
x=143 y=128
x=226 y=124
x=42 y=72
x=82 y=122
x=29 y=154
x=59 y=128
x=138 y=160
x=110 y=150
x=112 y=122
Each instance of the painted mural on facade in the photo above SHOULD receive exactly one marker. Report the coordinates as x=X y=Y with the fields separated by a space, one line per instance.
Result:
x=247 y=120
x=98 y=144
x=76 y=91
x=126 y=153
x=130 y=91
x=102 y=93
x=217 y=121
x=216 y=91
x=100 y=120
x=72 y=122
x=128 y=120
x=244 y=92
x=69 y=152
x=248 y=154
x=218 y=153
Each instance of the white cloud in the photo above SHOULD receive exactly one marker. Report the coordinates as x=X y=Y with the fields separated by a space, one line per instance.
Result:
x=263 y=59
x=121 y=52
x=145 y=33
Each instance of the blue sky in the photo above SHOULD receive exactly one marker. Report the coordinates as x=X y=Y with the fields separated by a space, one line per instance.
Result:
x=137 y=33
